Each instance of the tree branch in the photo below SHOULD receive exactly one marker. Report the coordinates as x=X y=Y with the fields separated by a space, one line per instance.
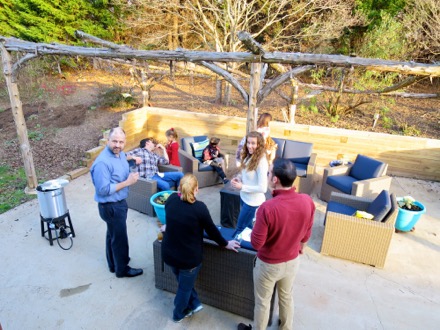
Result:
x=228 y=77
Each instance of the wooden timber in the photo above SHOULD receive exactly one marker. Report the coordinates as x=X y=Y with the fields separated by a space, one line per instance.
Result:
x=411 y=157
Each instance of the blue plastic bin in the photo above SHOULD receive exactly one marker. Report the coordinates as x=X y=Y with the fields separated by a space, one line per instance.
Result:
x=406 y=219
x=159 y=208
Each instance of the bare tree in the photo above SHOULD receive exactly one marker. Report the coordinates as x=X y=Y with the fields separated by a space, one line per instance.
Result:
x=208 y=24
x=422 y=21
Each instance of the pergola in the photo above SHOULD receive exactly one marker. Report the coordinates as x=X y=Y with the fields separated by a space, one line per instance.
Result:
x=257 y=57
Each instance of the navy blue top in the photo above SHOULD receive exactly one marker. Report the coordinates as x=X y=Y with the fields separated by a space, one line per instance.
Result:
x=107 y=171
x=182 y=244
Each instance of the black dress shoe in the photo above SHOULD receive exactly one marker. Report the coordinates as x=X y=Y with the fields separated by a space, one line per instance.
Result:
x=131 y=272
x=112 y=270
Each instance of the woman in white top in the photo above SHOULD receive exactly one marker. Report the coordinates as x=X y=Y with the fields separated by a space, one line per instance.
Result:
x=253 y=181
x=264 y=129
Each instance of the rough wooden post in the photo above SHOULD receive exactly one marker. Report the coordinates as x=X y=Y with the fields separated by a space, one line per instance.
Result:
x=20 y=123
x=292 y=106
x=254 y=87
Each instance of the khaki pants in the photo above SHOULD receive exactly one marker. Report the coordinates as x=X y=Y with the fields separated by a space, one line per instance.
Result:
x=266 y=276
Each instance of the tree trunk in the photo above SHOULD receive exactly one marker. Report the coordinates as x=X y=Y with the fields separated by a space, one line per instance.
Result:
x=218 y=91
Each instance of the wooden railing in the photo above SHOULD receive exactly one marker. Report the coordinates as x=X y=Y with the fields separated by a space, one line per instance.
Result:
x=406 y=156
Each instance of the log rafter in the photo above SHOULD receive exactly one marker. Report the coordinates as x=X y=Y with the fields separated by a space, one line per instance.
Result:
x=412 y=68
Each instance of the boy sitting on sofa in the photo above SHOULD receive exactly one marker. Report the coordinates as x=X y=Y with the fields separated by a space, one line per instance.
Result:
x=148 y=164
x=212 y=156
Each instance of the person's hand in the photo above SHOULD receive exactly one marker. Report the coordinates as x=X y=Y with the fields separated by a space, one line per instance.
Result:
x=163 y=228
x=132 y=178
x=159 y=146
x=236 y=183
x=233 y=245
x=138 y=160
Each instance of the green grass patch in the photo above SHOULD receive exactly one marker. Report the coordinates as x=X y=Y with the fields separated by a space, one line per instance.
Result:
x=12 y=185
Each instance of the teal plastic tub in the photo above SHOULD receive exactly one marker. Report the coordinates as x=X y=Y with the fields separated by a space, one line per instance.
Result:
x=159 y=208
x=406 y=220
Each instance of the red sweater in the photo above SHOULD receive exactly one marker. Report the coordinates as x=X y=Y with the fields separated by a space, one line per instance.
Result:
x=283 y=223
x=173 y=153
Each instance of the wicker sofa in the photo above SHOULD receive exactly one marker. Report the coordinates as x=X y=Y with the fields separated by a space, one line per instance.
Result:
x=357 y=239
x=139 y=193
x=300 y=153
x=225 y=280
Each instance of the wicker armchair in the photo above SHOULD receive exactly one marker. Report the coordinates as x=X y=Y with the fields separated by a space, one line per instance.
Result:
x=354 y=183
x=205 y=174
x=139 y=193
x=300 y=153
x=357 y=239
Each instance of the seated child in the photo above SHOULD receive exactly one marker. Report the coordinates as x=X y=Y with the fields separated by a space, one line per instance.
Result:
x=213 y=157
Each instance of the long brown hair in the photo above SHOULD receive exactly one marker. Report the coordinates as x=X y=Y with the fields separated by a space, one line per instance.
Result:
x=254 y=159
x=187 y=187
x=264 y=120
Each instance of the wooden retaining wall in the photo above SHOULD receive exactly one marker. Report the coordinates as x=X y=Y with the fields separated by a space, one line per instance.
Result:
x=406 y=156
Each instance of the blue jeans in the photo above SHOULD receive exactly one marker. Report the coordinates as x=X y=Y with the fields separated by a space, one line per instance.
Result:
x=170 y=179
x=247 y=214
x=186 y=297
x=116 y=243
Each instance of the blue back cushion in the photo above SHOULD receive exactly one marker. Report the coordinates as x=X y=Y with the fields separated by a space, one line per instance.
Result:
x=380 y=206
x=343 y=183
x=198 y=148
x=366 y=168
x=186 y=143
x=280 y=143
x=297 y=152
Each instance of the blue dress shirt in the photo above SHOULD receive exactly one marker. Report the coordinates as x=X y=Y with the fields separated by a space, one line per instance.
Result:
x=107 y=171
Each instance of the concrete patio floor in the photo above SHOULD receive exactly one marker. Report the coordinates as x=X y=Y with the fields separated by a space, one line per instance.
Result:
x=45 y=287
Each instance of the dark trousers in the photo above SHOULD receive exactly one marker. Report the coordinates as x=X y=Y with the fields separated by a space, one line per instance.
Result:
x=220 y=172
x=186 y=297
x=116 y=245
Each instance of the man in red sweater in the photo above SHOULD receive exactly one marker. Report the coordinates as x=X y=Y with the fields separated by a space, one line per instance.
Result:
x=282 y=228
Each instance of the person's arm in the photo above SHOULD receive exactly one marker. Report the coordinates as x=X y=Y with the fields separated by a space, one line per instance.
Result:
x=309 y=228
x=261 y=185
x=103 y=183
x=213 y=232
x=259 y=232
x=135 y=154
x=164 y=160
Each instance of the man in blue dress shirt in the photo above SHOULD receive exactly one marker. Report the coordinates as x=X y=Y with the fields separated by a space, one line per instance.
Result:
x=111 y=178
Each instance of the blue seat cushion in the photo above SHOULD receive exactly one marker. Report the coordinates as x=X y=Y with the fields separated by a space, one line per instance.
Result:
x=340 y=208
x=297 y=152
x=205 y=168
x=380 y=206
x=366 y=168
x=301 y=170
x=343 y=183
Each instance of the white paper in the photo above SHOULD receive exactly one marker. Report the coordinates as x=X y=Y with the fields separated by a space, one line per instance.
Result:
x=246 y=234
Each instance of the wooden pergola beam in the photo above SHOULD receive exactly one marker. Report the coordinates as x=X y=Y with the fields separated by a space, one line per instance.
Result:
x=411 y=68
